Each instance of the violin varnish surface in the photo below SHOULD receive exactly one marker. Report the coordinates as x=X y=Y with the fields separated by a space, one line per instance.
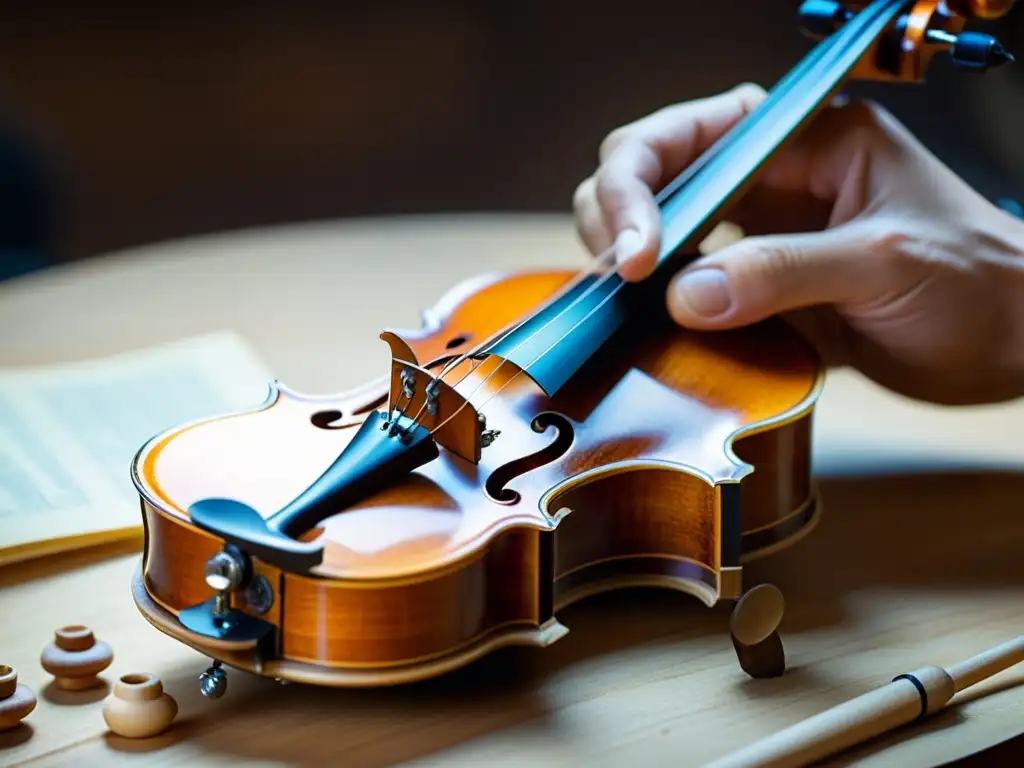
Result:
x=614 y=481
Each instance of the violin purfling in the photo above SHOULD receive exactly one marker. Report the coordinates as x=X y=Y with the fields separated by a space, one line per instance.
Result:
x=544 y=436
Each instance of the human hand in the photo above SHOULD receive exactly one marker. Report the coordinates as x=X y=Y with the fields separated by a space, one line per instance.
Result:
x=876 y=251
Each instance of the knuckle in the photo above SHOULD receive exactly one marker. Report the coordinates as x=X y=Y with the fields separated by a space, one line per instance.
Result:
x=608 y=188
x=633 y=161
x=894 y=244
x=884 y=241
x=893 y=255
x=901 y=253
x=613 y=141
x=582 y=195
x=767 y=267
x=770 y=256
x=781 y=268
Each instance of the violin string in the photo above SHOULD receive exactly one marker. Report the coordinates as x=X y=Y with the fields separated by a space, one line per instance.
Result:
x=603 y=259
x=451 y=365
x=423 y=406
x=597 y=284
x=608 y=254
x=659 y=197
x=454 y=364
x=693 y=172
x=554 y=344
x=730 y=136
x=576 y=280
x=599 y=261
x=695 y=167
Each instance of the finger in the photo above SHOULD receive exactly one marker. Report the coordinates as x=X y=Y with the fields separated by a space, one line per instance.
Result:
x=630 y=215
x=679 y=133
x=851 y=154
x=759 y=277
x=640 y=157
x=590 y=224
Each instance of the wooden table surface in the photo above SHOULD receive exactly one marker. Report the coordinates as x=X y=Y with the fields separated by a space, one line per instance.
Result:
x=919 y=557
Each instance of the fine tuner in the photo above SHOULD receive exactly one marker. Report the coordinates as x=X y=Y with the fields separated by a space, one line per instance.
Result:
x=543 y=437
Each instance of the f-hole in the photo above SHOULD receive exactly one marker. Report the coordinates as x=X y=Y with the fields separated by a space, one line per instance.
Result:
x=328 y=419
x=495 y=487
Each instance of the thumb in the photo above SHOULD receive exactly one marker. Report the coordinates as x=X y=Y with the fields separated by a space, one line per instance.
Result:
x=758 y=277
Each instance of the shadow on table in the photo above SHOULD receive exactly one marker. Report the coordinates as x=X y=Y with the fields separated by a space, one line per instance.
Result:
x=54 y=694
x=917 y=534
x=901 y=535
x=16 y=736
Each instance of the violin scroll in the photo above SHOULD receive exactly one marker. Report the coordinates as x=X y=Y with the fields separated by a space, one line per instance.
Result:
x=986 y=10
x=928 y=28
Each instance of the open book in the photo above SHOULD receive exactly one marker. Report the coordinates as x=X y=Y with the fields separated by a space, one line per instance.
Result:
x=68 y=434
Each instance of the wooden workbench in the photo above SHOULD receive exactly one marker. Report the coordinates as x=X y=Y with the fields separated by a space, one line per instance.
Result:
x=918 y=559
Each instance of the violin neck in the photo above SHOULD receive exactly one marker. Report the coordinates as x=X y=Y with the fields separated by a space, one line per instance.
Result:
x=696 y=200
x=553 y=344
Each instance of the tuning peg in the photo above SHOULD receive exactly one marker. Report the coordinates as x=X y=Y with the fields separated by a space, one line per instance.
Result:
x=972 y=50
x=820 y=18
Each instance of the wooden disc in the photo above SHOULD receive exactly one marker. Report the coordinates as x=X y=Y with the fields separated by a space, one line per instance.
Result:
x=16 y=707
x=757 y=614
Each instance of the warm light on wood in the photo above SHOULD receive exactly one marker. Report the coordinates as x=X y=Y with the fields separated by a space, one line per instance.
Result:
x=645 y=680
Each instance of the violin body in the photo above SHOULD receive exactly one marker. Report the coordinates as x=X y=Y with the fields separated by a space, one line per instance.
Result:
x=669 y=460
x=543 y=437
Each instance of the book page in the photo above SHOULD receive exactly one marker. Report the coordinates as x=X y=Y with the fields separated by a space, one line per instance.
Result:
x=68 y=434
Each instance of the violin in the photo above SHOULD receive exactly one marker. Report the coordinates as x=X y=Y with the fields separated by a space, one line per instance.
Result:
x=543 y=437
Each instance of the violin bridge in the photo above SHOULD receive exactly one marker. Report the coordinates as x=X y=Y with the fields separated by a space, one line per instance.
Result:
x=428 y=401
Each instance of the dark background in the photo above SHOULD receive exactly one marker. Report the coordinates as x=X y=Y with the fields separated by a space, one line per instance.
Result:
x=126 y=125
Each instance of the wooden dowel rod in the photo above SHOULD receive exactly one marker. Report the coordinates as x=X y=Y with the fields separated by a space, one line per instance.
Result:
x=904 y=700
x=985 y=664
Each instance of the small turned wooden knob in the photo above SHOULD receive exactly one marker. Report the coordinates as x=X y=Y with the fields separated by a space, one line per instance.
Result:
x=757 y=614
x=16 y=699
x=76 y=657
x=754 y=629
x=138 y=707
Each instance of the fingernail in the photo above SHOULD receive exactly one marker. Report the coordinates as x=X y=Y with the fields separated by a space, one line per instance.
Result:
x=627 y=245
x=705 y=292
